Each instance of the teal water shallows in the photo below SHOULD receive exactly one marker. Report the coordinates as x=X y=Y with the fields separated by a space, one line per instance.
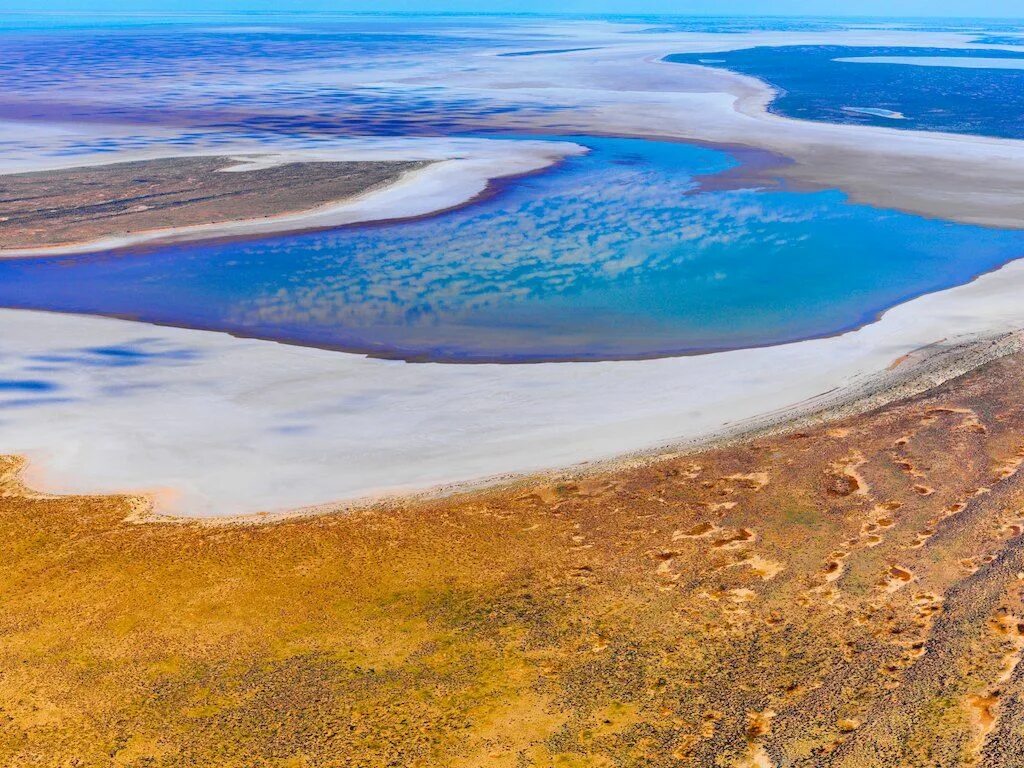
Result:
x=621 y=253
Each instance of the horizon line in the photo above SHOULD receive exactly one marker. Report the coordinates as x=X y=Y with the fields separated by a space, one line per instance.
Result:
x=531 y=14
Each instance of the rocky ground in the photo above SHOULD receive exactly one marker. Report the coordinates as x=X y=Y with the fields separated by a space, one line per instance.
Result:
x=849 y=595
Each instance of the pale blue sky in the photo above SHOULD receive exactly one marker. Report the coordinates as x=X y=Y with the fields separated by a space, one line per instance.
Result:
x=997 y=8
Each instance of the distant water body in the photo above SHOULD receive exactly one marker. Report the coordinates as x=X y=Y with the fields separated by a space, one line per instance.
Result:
x=974 y=91
x=617 y=254
x=638 y=249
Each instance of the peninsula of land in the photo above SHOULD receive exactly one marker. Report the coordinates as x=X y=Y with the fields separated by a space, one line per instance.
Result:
x=68 y=206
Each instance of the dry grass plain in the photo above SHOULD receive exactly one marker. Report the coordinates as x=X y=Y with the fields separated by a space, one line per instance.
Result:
x=845 y=596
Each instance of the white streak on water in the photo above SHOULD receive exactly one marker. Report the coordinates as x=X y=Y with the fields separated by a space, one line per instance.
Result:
x=960 y=62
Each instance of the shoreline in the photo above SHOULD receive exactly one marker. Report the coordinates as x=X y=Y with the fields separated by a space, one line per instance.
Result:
x=432 y=428
x=755 y=165
x=910 y=376
x=446 y=183
x=629 y=90
x=400 y=357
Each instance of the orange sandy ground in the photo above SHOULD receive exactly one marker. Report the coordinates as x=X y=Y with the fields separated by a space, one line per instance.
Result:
x=845 y=597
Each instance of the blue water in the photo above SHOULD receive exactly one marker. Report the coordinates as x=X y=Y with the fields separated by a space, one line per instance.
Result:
x=622 y=253
x=1000 y=40
x=197 y=80
x=813 y=86
x=617 y=254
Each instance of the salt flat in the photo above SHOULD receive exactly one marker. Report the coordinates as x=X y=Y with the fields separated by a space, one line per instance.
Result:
x=214 y=425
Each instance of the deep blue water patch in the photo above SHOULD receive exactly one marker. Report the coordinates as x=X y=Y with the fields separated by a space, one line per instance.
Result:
x=615 y=254
x=26 y=385
x=999 y=40
x=516 y=54
x=812 y=85
x=114 y=356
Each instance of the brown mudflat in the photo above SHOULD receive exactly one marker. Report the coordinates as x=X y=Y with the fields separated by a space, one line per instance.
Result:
x=74 y=205
x=846 y=596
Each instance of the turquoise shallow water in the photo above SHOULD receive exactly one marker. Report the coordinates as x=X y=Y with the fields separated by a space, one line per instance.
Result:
x=617 y=254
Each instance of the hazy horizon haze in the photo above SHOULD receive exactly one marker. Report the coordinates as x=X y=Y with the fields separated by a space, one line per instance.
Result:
x=961 y=9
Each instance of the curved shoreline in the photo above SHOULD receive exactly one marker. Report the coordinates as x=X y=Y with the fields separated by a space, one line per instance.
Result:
x=631 y=91
x=445 y=184
x=215 y=424
x=917 y=372
x=913 y=374
x=869 y=318
x=754 y=167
